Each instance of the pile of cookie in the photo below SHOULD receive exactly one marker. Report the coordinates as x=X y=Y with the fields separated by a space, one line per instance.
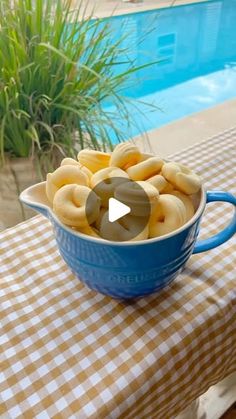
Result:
x=169 y=186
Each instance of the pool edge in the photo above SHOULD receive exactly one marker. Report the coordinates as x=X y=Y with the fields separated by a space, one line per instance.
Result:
x=118 y=8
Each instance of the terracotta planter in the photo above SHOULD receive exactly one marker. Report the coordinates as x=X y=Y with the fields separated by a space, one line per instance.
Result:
x=16 y=175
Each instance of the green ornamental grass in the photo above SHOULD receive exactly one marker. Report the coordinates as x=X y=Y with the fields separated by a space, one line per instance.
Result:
x=56 y=69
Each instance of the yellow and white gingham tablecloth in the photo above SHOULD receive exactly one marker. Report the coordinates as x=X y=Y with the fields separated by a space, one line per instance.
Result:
x=68 y=352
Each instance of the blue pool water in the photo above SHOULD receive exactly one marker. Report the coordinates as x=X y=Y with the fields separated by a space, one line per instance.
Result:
x=196 y=46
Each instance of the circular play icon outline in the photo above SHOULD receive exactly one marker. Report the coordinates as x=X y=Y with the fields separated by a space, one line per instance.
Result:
x=124 y=212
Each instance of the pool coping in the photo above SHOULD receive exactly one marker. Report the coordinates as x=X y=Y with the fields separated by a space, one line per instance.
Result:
x=106 y=8
x=192 y=129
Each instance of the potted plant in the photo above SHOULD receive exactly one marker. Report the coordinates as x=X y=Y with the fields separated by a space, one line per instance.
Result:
x=56 y=69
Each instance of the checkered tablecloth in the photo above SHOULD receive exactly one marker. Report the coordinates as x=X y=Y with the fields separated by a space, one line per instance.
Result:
x=68 y=352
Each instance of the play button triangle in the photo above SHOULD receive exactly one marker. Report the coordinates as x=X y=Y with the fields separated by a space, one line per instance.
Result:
x=116 y=210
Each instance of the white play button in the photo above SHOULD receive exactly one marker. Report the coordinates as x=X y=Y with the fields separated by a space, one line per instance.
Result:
x=120 y=207
x=117 y=209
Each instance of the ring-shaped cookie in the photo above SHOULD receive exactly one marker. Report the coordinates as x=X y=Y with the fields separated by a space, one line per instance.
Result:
x=70 y=161
x=169 y=214
x=73 y=208
x=181 y=177
x=125 y=155
x=62 y=176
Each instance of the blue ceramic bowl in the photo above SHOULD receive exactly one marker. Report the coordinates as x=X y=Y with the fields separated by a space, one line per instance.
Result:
x=130 y=269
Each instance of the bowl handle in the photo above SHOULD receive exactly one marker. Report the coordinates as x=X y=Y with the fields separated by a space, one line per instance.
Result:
x=224 y=235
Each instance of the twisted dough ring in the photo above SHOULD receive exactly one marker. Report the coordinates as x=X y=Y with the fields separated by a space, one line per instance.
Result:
x=145 y=169
x=181 y=177
x=64 y=175
x=73 y=208
x=125 y=229
x=93 y=160
x=70 y=161
x=125 y=155
x=160 y=183
x=105 y=181
x=135 y=195
x=187 y=203
x=169 y=214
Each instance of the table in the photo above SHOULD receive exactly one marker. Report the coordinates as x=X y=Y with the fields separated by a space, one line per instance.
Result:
x=69 y=352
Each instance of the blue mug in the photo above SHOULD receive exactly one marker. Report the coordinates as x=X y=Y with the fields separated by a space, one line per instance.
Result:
x=127 y=270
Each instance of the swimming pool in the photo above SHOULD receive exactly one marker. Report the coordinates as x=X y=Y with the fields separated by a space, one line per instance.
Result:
x=196 y=46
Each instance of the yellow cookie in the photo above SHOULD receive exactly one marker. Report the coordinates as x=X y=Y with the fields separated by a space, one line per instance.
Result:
x=145 y=169
x=62 y=176
x=72 y=208
x=181 y=177
x=93 y=160
x=169 y=214
x=125 y=155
